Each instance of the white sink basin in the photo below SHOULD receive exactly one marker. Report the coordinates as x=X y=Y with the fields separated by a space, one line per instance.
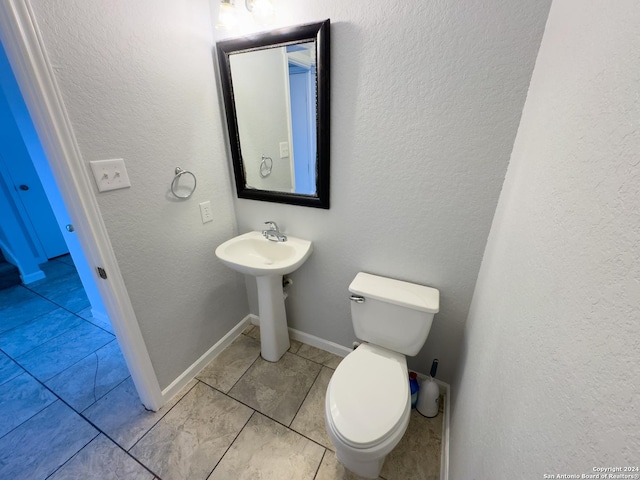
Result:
x=253 y=254
x=268 y=261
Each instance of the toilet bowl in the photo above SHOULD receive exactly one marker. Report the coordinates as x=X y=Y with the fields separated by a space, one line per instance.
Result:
x=368 y=402
x=367 y=407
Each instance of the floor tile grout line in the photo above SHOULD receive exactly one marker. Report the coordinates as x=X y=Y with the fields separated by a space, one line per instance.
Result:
x=234 y=440
x=97 y=326
x=296 y=353
x=243 y=373
x=100 y=432
x=164 y=415
x=72 y=265
x=315 y=475
x=72 y=456
x=59 y=333
x=266 y=415
x=58 y=397
x=77 y=314
x=198 y=380
x=16 y=376
x=325 y=449
x=49 y=288
x=314 y=361
x=44 y=282
x=102 y=396
x=81 y=415
x=42 y=295
x=305 y=398
x=36 y=413
x=86 y=419
x=292 y=353
x=65 y=369
x=37 y=316
x=272 y=419
x=45 y=297
x=39 y=411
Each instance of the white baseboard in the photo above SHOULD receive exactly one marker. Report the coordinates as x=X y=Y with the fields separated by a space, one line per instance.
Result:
x=320 y=343
x=445 y=390
x=309 y=339
x=190 y=373
x=100 y=316
x=32 y=277
x=444 y=452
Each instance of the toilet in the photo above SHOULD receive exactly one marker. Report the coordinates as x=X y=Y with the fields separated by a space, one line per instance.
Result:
x=368 y=401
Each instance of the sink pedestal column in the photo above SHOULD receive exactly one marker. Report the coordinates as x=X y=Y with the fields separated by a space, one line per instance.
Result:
x=274 y=332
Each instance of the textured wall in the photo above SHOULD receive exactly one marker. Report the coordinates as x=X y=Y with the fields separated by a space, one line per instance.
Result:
x=138 y=81
x=550 y=380
x=426 y=99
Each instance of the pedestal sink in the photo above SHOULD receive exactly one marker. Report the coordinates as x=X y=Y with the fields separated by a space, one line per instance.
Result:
x=268 y=261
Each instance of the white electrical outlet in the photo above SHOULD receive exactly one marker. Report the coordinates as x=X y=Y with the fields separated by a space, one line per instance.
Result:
x=110 y=174
x=284 y=149
x=205 y=212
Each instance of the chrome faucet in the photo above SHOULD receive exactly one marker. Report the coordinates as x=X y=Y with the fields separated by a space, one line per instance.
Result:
x=272 y=233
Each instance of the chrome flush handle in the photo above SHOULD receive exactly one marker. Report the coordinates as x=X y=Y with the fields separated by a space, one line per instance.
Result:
x=356 y=298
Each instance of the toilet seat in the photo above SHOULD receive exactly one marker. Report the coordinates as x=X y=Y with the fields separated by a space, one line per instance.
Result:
x=368 y=396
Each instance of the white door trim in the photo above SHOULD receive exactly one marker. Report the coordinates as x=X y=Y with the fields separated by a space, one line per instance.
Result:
x=23 y=44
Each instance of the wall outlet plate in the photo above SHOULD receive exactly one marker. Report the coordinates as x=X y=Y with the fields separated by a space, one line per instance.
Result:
x=110 y=174
x=205 y=212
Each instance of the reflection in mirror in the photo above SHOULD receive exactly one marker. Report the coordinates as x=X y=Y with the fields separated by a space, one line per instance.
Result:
x=277 y=129
x=275 y=87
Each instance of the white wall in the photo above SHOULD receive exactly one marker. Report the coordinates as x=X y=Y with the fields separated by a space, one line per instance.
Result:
x=550 y=381
x=137 y=79
x=426 y=98
x=420 y=142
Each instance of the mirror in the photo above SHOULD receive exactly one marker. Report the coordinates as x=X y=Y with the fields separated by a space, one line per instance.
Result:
x=276 y=94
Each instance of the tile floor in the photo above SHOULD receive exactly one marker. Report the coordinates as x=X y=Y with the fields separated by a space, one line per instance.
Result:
x=70 y=410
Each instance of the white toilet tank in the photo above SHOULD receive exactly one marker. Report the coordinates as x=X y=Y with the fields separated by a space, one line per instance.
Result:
x=391 y=313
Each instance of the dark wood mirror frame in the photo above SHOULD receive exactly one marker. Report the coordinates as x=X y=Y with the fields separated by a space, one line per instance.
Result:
x=318 y=32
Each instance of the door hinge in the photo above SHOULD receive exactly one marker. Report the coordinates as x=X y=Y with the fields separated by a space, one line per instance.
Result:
x=102 y=273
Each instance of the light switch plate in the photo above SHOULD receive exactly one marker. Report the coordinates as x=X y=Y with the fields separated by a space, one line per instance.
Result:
x=110 y=174
x=205 y=212
x=284 y=149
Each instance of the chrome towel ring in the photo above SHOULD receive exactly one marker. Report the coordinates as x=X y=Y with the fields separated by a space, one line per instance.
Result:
x=265 y=166
x=174 y=183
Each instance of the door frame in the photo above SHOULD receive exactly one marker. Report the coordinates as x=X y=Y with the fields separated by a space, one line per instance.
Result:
x=23 y=44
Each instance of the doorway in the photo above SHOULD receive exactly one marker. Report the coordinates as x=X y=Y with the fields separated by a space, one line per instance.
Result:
x=19 y=35
x=36 y=225
x=56 y=339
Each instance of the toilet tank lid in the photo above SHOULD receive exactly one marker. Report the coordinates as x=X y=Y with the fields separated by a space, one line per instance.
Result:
x=397 y=292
